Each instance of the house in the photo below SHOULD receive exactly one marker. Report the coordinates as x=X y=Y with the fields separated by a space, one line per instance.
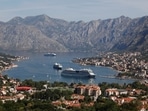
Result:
x=77 y=96
x=115 y=92
x=93 y=90
x=135 y=91
x=3 y=92
x=122 y=92
x=144 y=105
x=122 y=100
x=90 y=90
x=7 y=98
x=20 y=96
x=80 y=89
x=111 y=92
x=23 y=88
x=68 y=103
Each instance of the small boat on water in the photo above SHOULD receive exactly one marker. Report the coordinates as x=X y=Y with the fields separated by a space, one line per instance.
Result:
x=57 y=66
x=49 y=54
x=78 y=73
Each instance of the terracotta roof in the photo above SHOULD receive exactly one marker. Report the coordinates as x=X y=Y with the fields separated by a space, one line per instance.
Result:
x=128 y=99
x=23 y=88
x=56 y=103
x=77 y=96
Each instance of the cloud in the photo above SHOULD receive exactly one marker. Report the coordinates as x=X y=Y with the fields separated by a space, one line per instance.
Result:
x=73 y=9
x=137 y=4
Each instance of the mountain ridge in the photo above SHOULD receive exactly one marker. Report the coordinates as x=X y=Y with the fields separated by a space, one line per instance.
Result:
x=43 y=33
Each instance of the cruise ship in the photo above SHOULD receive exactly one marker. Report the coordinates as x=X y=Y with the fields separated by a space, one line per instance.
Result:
x=49 y=54
x=78 y=73
x=57 y=66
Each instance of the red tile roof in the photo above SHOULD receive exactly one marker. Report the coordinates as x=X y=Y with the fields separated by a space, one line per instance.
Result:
x=23 y=88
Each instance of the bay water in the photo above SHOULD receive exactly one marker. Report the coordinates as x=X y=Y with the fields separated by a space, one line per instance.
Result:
x=40 y=68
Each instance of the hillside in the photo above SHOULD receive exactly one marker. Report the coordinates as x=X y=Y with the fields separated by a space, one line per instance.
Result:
x=42 y=33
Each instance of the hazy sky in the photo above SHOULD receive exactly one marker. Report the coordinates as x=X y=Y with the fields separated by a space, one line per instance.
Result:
x=73 y=10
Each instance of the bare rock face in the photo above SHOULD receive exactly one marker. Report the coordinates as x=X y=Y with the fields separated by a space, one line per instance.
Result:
x=42 y=33
x=26 y=38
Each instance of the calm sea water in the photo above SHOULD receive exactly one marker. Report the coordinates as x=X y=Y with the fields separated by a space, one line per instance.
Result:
x=39 y=67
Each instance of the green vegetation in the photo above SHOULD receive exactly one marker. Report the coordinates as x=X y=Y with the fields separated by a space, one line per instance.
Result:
x=40 y=84
x=27 y=106
x=138 y=85
x=51 y=95
x=38 y=105
x=41 y=100
x=105 y=85
x=106 y=105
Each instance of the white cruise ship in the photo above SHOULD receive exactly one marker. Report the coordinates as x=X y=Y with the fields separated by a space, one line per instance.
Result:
x=49 y=54
x=78 y=73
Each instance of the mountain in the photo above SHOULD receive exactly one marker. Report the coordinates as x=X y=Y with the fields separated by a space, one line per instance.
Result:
x=17 y=36
x=135 y=37
x=42 y=33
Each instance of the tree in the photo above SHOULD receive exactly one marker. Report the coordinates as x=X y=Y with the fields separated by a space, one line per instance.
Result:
x=87 y=99
x=132 y=106
x=1 y=83
x=106 y=105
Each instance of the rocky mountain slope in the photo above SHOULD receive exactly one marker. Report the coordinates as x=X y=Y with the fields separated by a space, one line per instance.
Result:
x=42 y=33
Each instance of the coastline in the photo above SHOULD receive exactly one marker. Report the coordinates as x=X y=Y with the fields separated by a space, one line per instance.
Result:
x=35 y=70
x=125 y=64
x=11 y=63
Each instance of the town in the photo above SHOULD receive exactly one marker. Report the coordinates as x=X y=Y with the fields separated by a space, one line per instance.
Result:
x=129 y=65
x=29 y=95
x=72 y=96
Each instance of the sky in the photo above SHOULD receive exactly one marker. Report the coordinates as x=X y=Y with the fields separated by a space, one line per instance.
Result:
x=73 y=10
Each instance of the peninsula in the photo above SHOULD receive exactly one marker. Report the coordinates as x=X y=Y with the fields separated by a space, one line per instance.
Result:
x=6 y=61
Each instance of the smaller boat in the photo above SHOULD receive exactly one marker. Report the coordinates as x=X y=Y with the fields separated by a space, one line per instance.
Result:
x=57 y=66
x=50 y=54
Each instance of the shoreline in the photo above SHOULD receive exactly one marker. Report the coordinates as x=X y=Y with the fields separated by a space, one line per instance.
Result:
x=116 y=76
x=12 y=64
x=14 y=74
x=125 y=64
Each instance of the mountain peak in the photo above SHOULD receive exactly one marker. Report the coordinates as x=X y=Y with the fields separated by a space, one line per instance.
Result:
x=16 y=20
x=43 y=17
